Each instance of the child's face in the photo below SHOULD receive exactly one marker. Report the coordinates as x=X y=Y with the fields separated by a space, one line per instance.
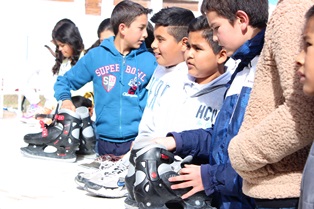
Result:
x=306 y=59
x=105 y=34
x=201 y=60
x=229 y=36
x=136 y=33
x=167 y=50
x=65 y=49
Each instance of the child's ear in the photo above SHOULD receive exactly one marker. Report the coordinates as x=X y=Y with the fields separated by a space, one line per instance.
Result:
x=222 y=56
x=122 y=28
x=242 y=19
x=184 y=41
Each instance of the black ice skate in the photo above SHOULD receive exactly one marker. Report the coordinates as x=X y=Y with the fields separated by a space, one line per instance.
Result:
x=151 y=188
x=58 y=141
x=87 y=136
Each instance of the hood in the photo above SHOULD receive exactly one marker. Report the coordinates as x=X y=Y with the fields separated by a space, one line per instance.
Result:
x=108 y=44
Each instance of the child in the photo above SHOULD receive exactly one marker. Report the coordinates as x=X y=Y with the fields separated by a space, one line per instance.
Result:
x=195 y=104
x=120 y=69
x=306 y=72
x=305 y=58
x=45 y=144
x=72 y=36
x=169 y=46
x=272 y=146
x=239 y=28
x=104 y=31
x=171 y=90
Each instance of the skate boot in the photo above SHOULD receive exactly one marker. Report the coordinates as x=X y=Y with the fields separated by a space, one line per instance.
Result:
x=130 y=202
x=87 y=136
x=59 y=141
x=152 y=188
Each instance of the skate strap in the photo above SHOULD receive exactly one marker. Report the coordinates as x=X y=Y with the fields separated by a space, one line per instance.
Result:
x=59 y=117
x=44 y=116
x=44 y=132
x=166 y=155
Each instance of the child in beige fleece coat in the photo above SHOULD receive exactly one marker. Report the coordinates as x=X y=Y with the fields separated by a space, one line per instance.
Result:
x=305 y=61
x=272 y=146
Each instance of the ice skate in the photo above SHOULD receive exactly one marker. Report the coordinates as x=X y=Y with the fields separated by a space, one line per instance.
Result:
x=87 y=136
x=151 y=188
x=58 y=141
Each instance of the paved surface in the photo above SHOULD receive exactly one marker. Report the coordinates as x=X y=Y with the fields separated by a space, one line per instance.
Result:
x=28 y=183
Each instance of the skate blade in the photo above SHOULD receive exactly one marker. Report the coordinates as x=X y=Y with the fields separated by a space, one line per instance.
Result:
x=38 y=153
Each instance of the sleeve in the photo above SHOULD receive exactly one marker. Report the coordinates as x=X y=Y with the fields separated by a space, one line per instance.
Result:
x=193 y=142
x=73 y=79
x=279 y=117
x=220 y=178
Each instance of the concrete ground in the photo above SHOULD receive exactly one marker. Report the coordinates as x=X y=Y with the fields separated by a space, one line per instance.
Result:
x=29 y=183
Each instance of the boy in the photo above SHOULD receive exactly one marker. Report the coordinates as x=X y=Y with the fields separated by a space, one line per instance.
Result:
x=120 y=69
x=169 y=46
x=172 y=91
x=305 y=58
x=239 y=28
x=195 y=102
x=306 y=72
x=272 y=146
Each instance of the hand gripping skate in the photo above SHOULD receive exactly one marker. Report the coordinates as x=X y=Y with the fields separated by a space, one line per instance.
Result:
x=151 y=186
x=62 y=135
x=87 y=136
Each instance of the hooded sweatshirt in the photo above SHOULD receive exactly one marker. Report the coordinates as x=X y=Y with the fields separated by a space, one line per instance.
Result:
x=176 y=102
x=119 y=84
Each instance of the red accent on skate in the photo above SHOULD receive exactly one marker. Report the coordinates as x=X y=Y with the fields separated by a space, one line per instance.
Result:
x=153 y=175
x=44 y=132
x=165 y=157
x=56 y=142
x=62 y=155
x=66 y=132
x=59 y=117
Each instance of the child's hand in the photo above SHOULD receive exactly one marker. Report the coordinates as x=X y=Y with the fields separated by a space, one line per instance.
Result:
x=68 y=104
x=168 y=142
x=190 y=176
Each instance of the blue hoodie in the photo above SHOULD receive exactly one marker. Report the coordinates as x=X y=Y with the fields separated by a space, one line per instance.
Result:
x=119 y=84
x=211 y=145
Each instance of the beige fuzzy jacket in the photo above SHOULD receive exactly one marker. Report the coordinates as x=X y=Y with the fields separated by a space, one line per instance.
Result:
x=271 y=148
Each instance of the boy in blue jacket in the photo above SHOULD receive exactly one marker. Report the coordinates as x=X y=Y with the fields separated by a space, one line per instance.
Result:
x=120 y=68
x=239 y=27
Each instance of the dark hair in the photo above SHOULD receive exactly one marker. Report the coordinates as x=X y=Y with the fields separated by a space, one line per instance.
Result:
x=257 y=10
x=125 y=12
x=79 y=101
x=150 y=36
x=59 y=24
x=176 y=19
x=309 y=13
x=104 y=25
x=69 y=34
x=200 y=24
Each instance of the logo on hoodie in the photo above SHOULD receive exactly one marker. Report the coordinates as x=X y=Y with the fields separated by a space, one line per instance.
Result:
x=108 y=81
x=133 y=86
